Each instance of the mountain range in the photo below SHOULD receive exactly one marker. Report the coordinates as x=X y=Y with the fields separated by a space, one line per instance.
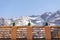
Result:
x=53 y=19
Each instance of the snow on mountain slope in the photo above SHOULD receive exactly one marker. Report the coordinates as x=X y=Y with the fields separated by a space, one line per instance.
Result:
x=24 y=20
x=35 y=20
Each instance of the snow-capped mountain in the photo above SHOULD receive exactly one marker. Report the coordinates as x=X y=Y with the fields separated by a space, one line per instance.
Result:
x=24 y=20
x=46 y=15
x=1 y=21
x=53 y=19
x=7 y=22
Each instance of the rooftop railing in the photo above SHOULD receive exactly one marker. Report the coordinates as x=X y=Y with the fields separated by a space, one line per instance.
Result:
x=30 y=32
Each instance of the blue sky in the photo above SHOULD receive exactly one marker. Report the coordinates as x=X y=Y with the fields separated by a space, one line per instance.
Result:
x=17 y=8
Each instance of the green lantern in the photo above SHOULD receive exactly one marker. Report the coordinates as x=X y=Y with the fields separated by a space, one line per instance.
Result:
x=46 y=24
x=14 y=24
x=29 y=24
